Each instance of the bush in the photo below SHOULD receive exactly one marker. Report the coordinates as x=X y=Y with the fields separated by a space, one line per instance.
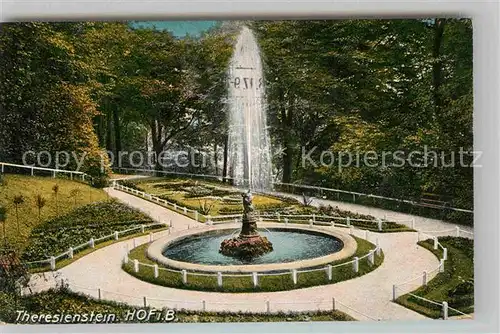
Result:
x=100 y=182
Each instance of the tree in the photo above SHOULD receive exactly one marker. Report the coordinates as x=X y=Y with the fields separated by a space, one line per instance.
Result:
x=75 y=193
x=18 y=200
x=40 y=202
x=55 y=190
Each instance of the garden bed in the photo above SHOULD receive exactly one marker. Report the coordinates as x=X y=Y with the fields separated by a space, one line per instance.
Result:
x=455 y=285
x=77 y=227
x=60 y=300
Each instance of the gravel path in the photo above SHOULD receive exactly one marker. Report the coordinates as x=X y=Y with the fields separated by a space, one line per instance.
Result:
x=366 y=295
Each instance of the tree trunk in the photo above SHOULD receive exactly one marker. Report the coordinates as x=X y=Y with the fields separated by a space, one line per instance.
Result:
x=109 y=127
x=287 y=123
x=437 y=65
x=216 y=160
x=224 y=166
x=118 y=137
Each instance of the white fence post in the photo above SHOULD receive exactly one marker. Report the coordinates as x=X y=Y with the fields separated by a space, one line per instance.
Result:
x=92 y=243
x=278 y=215
x=418 y=236
x=371 y=257
x=125 y=258
x=255 y=279
x=157 y=273
x=136 y=266
x=333 y=304
x=134 y=242
x=310 y=222
x=329 y=271
x=445 y=254
x=219 y=279
x=355 y=264
x=379 y=222
x=424 y=278
x=150 y=236
x=367 y=235
x=413 y=223
x=294 y=276
x=52 y=263
x=185 y=210
x=116 y=235
x=435 y=243
x=209 y=220
x=314 y=218
x=142 y=228
x=445 y=311
x=268 y=306
x=348 y=221
x=70 y=252
x=332 y=223
x=184 y=276
x=394 y=294
x=457 y=231
x=441 y=265
x=286 y=221
x=175 y=206
x=196 y=215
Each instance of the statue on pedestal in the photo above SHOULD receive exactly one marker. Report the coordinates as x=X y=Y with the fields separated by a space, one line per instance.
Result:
x=249 y=243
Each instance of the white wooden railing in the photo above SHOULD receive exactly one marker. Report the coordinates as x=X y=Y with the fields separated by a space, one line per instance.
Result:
x=51 y=261
x=295 y=185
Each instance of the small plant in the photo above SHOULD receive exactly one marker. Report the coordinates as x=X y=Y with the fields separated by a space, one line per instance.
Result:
x=75 y=193
x=306 y=200
x=206 y=206
x=40 y=202
x=3 y=220
x=18 y=200
x=55 y=189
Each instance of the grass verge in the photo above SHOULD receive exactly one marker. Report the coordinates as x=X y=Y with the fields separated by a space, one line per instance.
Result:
x=244 y=284
x=455 y=285
x=56 y=301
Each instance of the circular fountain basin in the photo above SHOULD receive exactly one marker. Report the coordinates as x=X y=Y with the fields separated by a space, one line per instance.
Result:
x=295 y=246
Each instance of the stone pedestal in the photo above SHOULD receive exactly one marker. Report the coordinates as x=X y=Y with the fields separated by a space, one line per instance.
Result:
x=249 y=243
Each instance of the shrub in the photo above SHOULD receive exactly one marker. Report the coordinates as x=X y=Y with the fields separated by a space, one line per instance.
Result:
x=100 y=182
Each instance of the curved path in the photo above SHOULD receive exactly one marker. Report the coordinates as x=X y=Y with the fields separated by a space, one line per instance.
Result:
x=421 y=223
x=366 y=295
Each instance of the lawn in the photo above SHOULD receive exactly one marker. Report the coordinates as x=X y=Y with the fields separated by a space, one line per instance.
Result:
x=70 y=195
x=60 y=300
x=197 y=195
x=455 y=285
x=244 y=284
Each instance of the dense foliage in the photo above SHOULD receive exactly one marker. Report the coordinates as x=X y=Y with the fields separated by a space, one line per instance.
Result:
x=341 y=86
x=77 y=227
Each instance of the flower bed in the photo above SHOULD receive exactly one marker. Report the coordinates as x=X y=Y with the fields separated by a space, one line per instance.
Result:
x=77 y=227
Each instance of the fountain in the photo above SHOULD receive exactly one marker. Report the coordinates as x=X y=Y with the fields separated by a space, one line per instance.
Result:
x=249 y=243
x=249 y=143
